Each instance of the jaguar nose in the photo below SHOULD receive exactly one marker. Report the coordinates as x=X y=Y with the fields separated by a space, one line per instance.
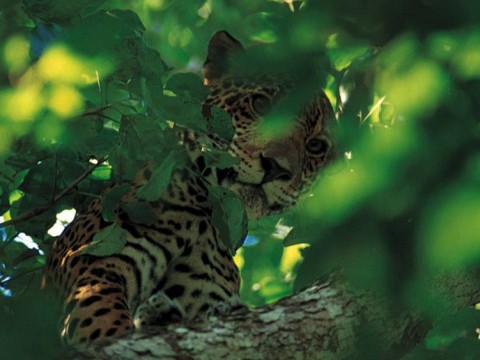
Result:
x=273 y=170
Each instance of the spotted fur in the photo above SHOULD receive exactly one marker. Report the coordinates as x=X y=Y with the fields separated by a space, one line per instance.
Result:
x=178 y=267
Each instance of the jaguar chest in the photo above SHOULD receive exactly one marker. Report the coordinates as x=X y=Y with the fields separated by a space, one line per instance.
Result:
x=183 y=257
x=181 y=253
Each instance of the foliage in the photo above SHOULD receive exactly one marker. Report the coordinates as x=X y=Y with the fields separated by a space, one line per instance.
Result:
x=91 y=80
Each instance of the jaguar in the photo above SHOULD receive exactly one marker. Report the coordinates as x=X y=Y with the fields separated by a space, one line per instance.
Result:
x=178 y=268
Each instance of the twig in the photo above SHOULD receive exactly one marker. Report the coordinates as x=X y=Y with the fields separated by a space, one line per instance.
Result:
x=95 y=111
x=84 y=193
x=42 y=209
x=339 y=75
x=13 y=278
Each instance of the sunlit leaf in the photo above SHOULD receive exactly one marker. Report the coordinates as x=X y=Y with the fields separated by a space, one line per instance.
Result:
x=103 y=172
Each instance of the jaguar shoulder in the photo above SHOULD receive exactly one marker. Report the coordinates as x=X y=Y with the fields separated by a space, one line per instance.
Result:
x=178 y=267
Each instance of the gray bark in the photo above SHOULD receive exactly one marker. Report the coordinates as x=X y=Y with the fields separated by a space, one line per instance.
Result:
x=325 y=321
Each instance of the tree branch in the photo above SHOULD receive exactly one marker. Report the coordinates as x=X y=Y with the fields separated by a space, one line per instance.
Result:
x=326 y=321
x=39 y=210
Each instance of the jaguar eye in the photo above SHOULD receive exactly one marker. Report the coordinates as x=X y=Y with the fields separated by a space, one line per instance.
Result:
x=317 y=146
x=261 y=104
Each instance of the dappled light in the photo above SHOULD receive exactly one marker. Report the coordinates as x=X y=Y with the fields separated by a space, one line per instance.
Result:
x=65 y=101
x=455 y=214
x=15 y=54
x=22 y=104
x=59 y=64
x=413 y=84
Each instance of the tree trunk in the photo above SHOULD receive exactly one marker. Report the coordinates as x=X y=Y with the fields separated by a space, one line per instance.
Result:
x=325 y=321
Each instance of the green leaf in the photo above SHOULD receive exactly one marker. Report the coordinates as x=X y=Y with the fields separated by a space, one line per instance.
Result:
x=140 y=213
x=125 y=166
x=187 y=83
x=4 y=197
x=220 y=159
x=141 y=68
x=60 y=11
x=299 y=236
x=142 y=137
x=34 y=315
x=186 y=111
x=68 y=170
x=104 y=32
x=228 y=216
x=76 y=133
x=38 y=225
x=342 y=51
x=109 y=241
x=39 y=180
x=160 y=178
x=221 y=123
x=20 y=177
x=101 y=144
x=111 y=200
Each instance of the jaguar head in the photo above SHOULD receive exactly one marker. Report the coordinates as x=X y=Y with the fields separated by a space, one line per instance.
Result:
x=272 y=171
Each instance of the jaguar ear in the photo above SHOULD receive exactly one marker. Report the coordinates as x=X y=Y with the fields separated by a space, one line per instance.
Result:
x=220 y=50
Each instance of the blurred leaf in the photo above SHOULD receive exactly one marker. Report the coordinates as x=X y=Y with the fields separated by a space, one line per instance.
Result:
x=35 y=317
x=415 y=85
x=455 y=334
x=343 y=51
x=465 y=52
x=450 y=235
x=60 y=64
